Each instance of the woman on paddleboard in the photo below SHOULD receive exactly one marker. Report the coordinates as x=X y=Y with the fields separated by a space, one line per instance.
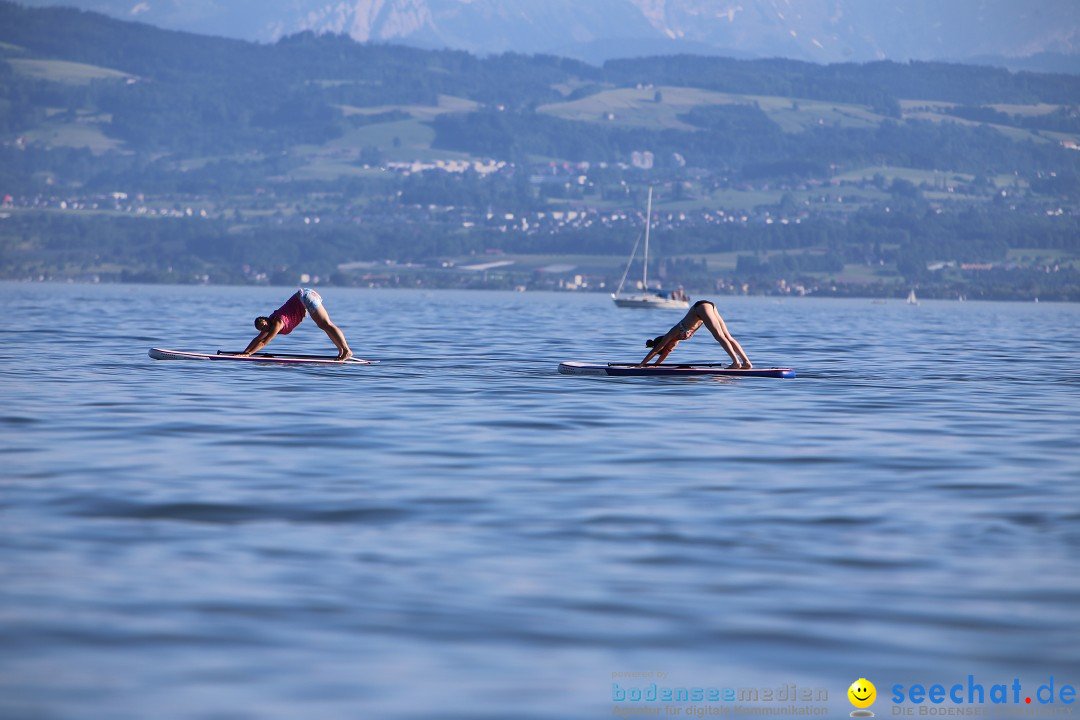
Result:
x=700 y=313
x=283 y=320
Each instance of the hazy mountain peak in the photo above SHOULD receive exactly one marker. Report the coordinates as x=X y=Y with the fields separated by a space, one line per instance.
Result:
x=814 y=30
x=366 y=20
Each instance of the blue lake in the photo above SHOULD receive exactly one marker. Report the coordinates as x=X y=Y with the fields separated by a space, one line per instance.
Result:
x=461 y=532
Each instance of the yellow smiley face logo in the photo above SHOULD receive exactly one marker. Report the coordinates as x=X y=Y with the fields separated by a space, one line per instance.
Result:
x=862 y=693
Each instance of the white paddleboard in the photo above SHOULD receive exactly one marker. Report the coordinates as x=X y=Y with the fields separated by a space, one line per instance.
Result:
x=264 y=358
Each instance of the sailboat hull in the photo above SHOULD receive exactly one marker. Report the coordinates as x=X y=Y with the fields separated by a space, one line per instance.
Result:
x=649 y=301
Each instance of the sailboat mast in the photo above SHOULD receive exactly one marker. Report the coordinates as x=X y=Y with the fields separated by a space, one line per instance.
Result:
x=645 y=258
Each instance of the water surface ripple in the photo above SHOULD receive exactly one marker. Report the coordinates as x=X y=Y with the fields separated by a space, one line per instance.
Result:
x=460 y=531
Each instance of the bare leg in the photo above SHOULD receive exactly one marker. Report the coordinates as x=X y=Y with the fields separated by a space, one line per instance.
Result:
x=322 y=319
x=715 y=323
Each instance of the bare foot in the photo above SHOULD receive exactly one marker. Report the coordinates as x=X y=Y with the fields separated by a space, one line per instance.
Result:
x=747 y=365
x=345 y=355
x=734 y=366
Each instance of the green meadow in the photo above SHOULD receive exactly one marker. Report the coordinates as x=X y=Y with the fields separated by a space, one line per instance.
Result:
x=642 y=107
x=62 y=71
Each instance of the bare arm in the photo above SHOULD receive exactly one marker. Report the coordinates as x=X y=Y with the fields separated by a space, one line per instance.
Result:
x=666 y=351
x=263 y=338
x=663 y=349
x=648 y=357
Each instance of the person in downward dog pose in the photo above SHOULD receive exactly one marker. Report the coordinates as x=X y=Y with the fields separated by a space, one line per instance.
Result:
x=285 y=319
x=700 y=313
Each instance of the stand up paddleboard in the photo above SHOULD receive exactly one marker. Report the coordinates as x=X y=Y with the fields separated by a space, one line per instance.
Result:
x=669 y=369
x=264 y=358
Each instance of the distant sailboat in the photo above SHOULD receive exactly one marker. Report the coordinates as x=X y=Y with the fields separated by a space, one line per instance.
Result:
x=645 y=299
x=911 y=300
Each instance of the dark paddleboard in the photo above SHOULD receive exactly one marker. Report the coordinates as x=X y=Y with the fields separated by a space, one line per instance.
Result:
x=669 y=369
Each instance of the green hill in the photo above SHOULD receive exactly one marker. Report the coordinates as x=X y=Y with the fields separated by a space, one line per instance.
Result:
x=240 y=156
x=159 y=91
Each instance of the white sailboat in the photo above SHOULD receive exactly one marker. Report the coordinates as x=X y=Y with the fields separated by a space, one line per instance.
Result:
x=645 y=299
x=911 y=298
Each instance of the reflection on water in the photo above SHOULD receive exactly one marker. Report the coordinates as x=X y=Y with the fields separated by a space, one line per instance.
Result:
x=460 y=531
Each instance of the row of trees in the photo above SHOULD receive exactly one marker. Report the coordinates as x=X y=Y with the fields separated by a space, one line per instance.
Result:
x=876 y=84
x=744 y=141
x=909 y=240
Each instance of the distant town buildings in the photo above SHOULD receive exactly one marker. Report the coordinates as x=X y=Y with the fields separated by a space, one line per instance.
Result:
x=642 y=159
x=482 y=167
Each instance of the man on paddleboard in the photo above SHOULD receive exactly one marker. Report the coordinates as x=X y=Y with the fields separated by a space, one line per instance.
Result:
x=700 y=313
x=283 y=320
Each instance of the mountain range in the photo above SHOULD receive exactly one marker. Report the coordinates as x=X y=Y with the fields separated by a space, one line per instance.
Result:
x=824 y=31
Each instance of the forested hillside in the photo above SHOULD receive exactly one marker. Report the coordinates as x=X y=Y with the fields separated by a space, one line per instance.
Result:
x=131 y=152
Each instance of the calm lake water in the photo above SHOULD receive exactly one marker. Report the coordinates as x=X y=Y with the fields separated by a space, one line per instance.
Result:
x=461 y=532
